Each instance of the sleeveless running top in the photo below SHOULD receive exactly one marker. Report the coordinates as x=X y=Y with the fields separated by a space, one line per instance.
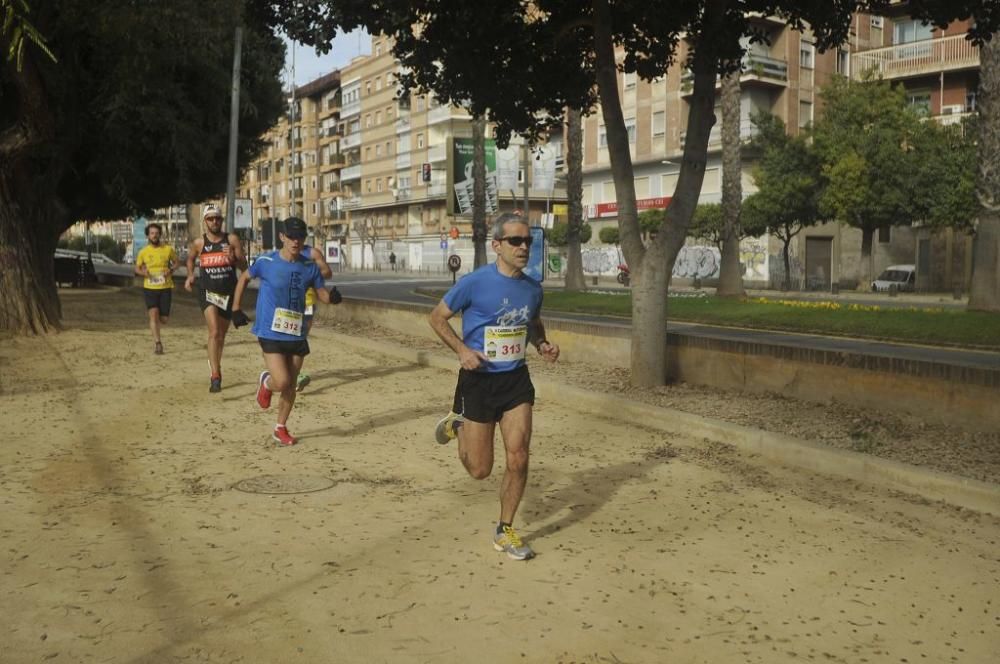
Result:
x=218 y=274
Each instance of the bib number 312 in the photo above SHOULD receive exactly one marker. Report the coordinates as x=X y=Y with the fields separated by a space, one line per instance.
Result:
x=287 y=321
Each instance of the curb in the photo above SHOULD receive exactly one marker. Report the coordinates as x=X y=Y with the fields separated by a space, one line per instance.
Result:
x=929 y=484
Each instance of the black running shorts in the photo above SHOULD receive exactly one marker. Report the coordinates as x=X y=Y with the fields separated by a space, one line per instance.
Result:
x=299 y=347
x=203 y=302
x=482 y=396
x=158 y=298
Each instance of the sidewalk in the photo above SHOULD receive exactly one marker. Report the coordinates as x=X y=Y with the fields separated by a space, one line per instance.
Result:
x=126 y=541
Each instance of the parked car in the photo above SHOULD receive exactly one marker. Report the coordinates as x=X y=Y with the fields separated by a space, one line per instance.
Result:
x=903 y=277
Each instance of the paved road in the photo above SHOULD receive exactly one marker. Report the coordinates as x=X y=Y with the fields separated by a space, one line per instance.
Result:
x=390 y=287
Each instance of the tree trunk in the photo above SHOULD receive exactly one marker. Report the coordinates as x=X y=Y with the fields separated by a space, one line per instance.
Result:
x=866 y=269
x=730 y=271
x=984 y=294
x=479 y=232
x=651 y=267
x=28 y=298
x=786 y=246
x=574 y=192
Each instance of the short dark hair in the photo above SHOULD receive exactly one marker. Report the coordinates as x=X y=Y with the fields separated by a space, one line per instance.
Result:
x=503 y=220
x=153 y=225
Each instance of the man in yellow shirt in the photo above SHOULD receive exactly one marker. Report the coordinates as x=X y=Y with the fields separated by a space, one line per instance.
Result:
x=156 y=263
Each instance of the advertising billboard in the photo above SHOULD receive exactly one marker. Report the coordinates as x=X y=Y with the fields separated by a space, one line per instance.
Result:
x=460 y=182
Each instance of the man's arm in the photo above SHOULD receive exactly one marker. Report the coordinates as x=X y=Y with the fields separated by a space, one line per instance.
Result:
x=241 y=286
x=193 y=250
x=239 y=257
x=317 y=257
x=536 y=335
x=140 y=265
x=470 y=359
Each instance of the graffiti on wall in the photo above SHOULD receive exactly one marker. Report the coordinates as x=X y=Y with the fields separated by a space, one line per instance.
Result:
x=696 y=262
x=603 y=260
x=753 y=257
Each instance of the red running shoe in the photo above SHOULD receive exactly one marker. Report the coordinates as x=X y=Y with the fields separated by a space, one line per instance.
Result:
x=282 y=436
x=263 y=394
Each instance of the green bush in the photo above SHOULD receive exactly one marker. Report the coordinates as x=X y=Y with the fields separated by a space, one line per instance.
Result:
x=558 y=235
x=609 y=235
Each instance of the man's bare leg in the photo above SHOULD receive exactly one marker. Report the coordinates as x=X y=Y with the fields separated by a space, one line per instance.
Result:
x=515 y=427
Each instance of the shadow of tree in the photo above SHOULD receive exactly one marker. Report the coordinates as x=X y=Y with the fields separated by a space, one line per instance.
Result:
x=385 y=419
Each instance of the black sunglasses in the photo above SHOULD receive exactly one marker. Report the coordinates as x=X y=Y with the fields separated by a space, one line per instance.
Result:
x=517 y=240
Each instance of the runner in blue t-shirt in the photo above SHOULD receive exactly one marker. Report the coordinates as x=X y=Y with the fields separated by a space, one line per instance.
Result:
x=279 y=322
x=500 y=308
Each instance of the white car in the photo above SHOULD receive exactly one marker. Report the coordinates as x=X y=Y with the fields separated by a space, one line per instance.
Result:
x=903 y=277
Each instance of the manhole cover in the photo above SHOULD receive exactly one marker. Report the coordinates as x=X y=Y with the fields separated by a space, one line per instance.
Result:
x=284 y=484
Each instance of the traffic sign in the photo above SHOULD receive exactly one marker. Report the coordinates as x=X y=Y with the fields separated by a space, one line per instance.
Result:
x=444 y=244
x=454 y=263
x=453 y=233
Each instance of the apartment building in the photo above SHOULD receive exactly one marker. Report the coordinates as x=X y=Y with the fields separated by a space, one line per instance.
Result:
x=782 y=77
x=939 y=70
x=299 y=171
x=396 y=179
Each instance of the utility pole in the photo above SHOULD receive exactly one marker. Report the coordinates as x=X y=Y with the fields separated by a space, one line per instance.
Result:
x=291 y=141
x=234 y=130
x=526 y=151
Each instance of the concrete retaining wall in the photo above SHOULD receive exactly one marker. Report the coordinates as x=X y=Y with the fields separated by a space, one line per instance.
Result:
x=935 y=392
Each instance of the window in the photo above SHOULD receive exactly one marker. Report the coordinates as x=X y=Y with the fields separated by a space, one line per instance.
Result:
x=368 y=120
x=805 y=113
x=909 y=30
x=388 y=113
x=378 y=150
x=641 y=187
x=378 y=50
x=588 y=194
x=378 y=83
x=602 y=136
x=806 y=53
x=314 y=209
x=378 y=117
x=629 y=80
x=920 y=100
x=388 y=148
x=378 y=187
x=843 y=62
x=404 y=181
x=313 y=183
x=368 y=186
x=659 y=123
x=630 y=129
x=380 y=221
x=608 y=191
x=420 y=141
x=368 y=88
x=877 y=22
x=368 y=153
x=421 y=103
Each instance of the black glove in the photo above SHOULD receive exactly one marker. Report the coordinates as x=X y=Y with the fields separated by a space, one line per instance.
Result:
x=239 y=318
x=335 y=296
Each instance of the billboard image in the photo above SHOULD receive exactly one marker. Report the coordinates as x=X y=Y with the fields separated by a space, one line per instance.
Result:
x=460 y=177
x=536 y=258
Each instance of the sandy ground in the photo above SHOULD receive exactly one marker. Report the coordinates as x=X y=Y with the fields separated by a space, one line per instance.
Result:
x=124 y=539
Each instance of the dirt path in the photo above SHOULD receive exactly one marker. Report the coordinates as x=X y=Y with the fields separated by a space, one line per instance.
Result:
x=125 y=541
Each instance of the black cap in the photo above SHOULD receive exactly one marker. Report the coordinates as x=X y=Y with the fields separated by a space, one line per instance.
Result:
x=296 y=228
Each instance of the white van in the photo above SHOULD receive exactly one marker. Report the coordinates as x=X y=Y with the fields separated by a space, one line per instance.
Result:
x=903 y=277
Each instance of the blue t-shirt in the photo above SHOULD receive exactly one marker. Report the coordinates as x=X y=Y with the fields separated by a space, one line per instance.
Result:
x=283 y=285
x=496 y=310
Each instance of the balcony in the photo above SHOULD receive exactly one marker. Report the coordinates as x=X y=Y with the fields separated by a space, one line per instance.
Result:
x=336 y=160
x=435 y=190
x=954 y=117
x=333 y=104
x=929 y=56
x=297 y=142
x=747 y=131
x=402 y=124
x=403 y=160
x=350 y=108
x=756 y=68
x=436 y=153
x=351 y=173
x=297 y=168
x=350 y=141
x=350 y=203
x=443 y=114
x=333 y=187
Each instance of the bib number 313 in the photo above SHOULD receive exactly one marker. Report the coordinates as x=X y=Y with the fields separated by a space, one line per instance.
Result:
x=505 y=344
x=287 y=321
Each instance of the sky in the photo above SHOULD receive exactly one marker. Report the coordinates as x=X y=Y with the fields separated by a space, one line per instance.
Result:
x=309 y=66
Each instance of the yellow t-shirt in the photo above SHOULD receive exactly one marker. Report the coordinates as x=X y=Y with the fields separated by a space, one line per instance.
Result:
x=157 y=260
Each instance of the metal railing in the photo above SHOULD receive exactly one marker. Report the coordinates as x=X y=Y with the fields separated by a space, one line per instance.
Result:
x=351 y=173
x=350 y=141
x=352 y=202
x=916 y=58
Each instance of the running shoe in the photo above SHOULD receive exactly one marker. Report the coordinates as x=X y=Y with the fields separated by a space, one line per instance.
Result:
x=447 y=428
x=282 y=437
x=510 y=542
x=302 y=381
x=263 y=394
x=216 y=384
x=158 y=348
